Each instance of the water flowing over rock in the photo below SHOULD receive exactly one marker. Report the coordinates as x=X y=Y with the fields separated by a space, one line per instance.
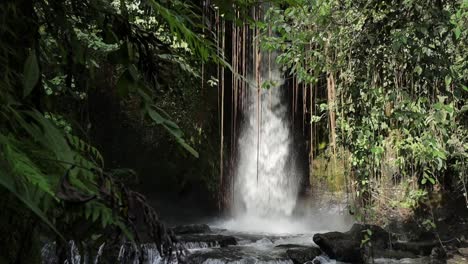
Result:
x=206 y=241
x=217 y=246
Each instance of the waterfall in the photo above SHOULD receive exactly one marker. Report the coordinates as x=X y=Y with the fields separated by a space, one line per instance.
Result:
x=266 y=180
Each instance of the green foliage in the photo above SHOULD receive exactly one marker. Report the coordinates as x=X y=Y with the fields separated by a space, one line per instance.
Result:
x=29 y=190
x=53 y=55
x=31 y=73
x=169 y=126
x=401 y=73
x=366 y=238
x=177 y=24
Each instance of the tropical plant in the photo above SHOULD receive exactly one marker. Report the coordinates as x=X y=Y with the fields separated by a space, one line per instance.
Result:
x=52 y=56
x=396 y=85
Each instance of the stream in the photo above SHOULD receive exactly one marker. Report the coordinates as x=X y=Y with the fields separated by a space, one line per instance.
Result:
x=269 y=248
x=214 y=244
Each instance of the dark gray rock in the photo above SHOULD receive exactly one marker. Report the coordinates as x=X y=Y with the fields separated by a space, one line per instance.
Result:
x=191 y=229
x=422 y=248
x=390 y=254
x=438 y=256
x=346 y=246
x=301 y=255
x=315 y=261
x=339 y=246
x=288 y=246
x=380 y=238
x=210 y=240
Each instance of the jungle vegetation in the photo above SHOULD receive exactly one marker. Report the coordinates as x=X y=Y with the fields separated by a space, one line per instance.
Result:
x=379 y=87
x=395 y=75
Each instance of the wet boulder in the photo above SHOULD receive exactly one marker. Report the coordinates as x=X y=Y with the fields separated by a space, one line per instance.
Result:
x=301 y=255
x=191 y=229
x=339 y=246
x=422 y=248
x=379 y=238
x=194 y=241
x=438 y=255
x=346 y=246
x=387 y=254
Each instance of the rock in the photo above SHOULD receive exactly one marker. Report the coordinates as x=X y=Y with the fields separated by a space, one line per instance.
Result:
x=300 y=254
x=380 y=238
x=422 y=248
x=204 y=241
x=227 y=241
x=457 y=259
x=391 y=254
x=315 y=261
x=289 y=246
x=346 y=246
x=438 y=256
x=339 y=246
x=463 y=251
x=191 y=229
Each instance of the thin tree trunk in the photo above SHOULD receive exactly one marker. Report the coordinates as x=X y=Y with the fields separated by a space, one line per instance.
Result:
x=331 y=110
x=311 y=167
x=293 y=99
x=304 y=106
x=203 y=63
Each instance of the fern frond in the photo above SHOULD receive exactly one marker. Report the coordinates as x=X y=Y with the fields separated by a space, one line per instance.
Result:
x=22 y=178
x=85 y=149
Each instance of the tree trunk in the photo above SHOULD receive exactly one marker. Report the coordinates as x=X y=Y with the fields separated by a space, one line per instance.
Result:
x=331 y=110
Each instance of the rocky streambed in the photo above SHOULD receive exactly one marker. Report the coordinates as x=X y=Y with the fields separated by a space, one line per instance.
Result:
x=327 y=247
x=237 y=247
x=200 y=244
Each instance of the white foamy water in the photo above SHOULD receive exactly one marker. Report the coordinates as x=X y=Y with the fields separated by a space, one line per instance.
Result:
x=275 y=225
x=266 y=181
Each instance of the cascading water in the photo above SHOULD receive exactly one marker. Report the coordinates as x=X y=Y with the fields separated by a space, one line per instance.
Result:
x=265 y=178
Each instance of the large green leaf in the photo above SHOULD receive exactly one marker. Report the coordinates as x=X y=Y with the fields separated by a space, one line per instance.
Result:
x=172 y=128
x=187 y=146
x=157 y=118
x=126 y=83
x=30 y=74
